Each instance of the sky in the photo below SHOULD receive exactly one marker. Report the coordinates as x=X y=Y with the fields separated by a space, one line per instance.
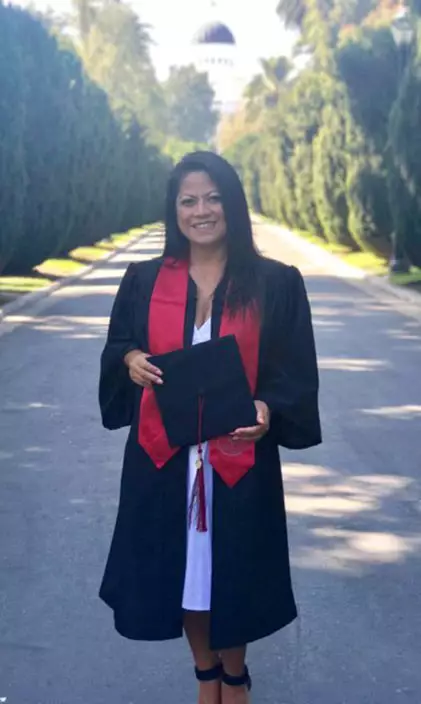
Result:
x=255 y=25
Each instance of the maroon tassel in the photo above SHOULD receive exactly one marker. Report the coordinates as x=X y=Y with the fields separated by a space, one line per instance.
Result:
x=198 y=497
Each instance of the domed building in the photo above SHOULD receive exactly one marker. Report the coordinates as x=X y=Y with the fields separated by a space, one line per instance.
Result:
x=214 y=33
x=214 y=51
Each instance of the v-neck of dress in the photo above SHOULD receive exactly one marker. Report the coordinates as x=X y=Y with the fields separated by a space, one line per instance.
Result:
x=201 y=328
x=219 y=289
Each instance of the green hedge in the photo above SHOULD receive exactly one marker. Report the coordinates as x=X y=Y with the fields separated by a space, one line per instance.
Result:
x=340 y=155
x=71 y=170
x=329 y=175
x=405 y=180
x=302 y=166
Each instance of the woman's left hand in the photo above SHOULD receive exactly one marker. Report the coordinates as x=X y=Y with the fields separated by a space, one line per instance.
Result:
x=258 y=431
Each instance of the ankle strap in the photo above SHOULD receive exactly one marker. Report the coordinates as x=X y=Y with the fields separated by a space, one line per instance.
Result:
x=215 y=673
x=240 y=681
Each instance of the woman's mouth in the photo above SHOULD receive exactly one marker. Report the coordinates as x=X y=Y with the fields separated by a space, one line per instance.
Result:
x=208 y=225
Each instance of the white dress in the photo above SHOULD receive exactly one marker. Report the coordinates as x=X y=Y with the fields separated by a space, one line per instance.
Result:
x=197 y=583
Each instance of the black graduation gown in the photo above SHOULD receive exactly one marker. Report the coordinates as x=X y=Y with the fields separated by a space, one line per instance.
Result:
x=143 y=583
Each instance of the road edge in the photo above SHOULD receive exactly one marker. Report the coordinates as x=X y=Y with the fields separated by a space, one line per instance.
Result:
x=28 y=299
x=340 y=268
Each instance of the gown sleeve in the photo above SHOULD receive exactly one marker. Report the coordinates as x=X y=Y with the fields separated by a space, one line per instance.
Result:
x=290 y=382
x=116 y=390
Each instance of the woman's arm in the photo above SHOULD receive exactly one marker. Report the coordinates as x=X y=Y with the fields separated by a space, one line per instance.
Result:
x=290 y=380
x=116 y=390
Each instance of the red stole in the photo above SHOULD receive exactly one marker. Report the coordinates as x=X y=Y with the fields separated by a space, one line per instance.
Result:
x=166 y=333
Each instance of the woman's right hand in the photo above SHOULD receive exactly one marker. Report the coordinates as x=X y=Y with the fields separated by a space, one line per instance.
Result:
x=141 y=372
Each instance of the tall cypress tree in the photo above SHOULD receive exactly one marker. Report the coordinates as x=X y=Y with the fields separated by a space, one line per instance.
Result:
x=13 y=176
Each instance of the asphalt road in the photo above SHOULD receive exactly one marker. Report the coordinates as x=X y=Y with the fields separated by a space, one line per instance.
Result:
x=354 y=511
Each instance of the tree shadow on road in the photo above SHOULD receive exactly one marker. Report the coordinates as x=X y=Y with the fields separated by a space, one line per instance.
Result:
x=354 y=513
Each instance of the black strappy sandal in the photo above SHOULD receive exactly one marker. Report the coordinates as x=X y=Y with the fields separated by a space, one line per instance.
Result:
x=215 y=673
x=243 y=680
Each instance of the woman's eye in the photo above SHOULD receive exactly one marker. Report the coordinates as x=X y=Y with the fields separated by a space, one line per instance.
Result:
x=187 y=202
x=215 y=198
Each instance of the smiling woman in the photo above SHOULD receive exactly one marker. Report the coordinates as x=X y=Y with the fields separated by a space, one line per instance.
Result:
x=200 y=543
x=199 y=210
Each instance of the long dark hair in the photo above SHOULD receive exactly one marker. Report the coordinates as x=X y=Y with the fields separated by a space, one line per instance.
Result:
x=243 y=257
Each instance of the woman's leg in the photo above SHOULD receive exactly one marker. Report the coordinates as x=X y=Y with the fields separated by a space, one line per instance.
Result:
x=196 y=627
x=234 y=664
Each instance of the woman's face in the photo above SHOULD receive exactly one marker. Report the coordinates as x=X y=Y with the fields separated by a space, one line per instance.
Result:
x=200 y=214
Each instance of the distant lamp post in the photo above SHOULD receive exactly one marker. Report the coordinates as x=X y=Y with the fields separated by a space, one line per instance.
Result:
x=403 y=34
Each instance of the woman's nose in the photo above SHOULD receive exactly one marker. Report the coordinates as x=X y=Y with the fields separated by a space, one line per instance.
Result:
x=202 y=207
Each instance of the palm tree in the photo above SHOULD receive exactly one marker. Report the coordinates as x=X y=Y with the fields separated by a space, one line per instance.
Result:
x=85 y=11
x=292 y=12
x=113 y=42
x=265 y=88
x=114 y=47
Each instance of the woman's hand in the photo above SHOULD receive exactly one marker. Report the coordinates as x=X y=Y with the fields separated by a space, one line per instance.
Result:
x=141 y=372
x=258 y=431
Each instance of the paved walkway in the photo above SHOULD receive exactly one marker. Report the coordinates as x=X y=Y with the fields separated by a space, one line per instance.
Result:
x=354 y=511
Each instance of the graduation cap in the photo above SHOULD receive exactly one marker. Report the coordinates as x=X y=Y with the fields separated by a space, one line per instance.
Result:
x=205 y=393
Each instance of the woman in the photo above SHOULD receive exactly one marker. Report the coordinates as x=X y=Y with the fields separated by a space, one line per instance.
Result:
x=226 y=582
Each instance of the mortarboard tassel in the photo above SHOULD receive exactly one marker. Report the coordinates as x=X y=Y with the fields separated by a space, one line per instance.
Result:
x=198 y=497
